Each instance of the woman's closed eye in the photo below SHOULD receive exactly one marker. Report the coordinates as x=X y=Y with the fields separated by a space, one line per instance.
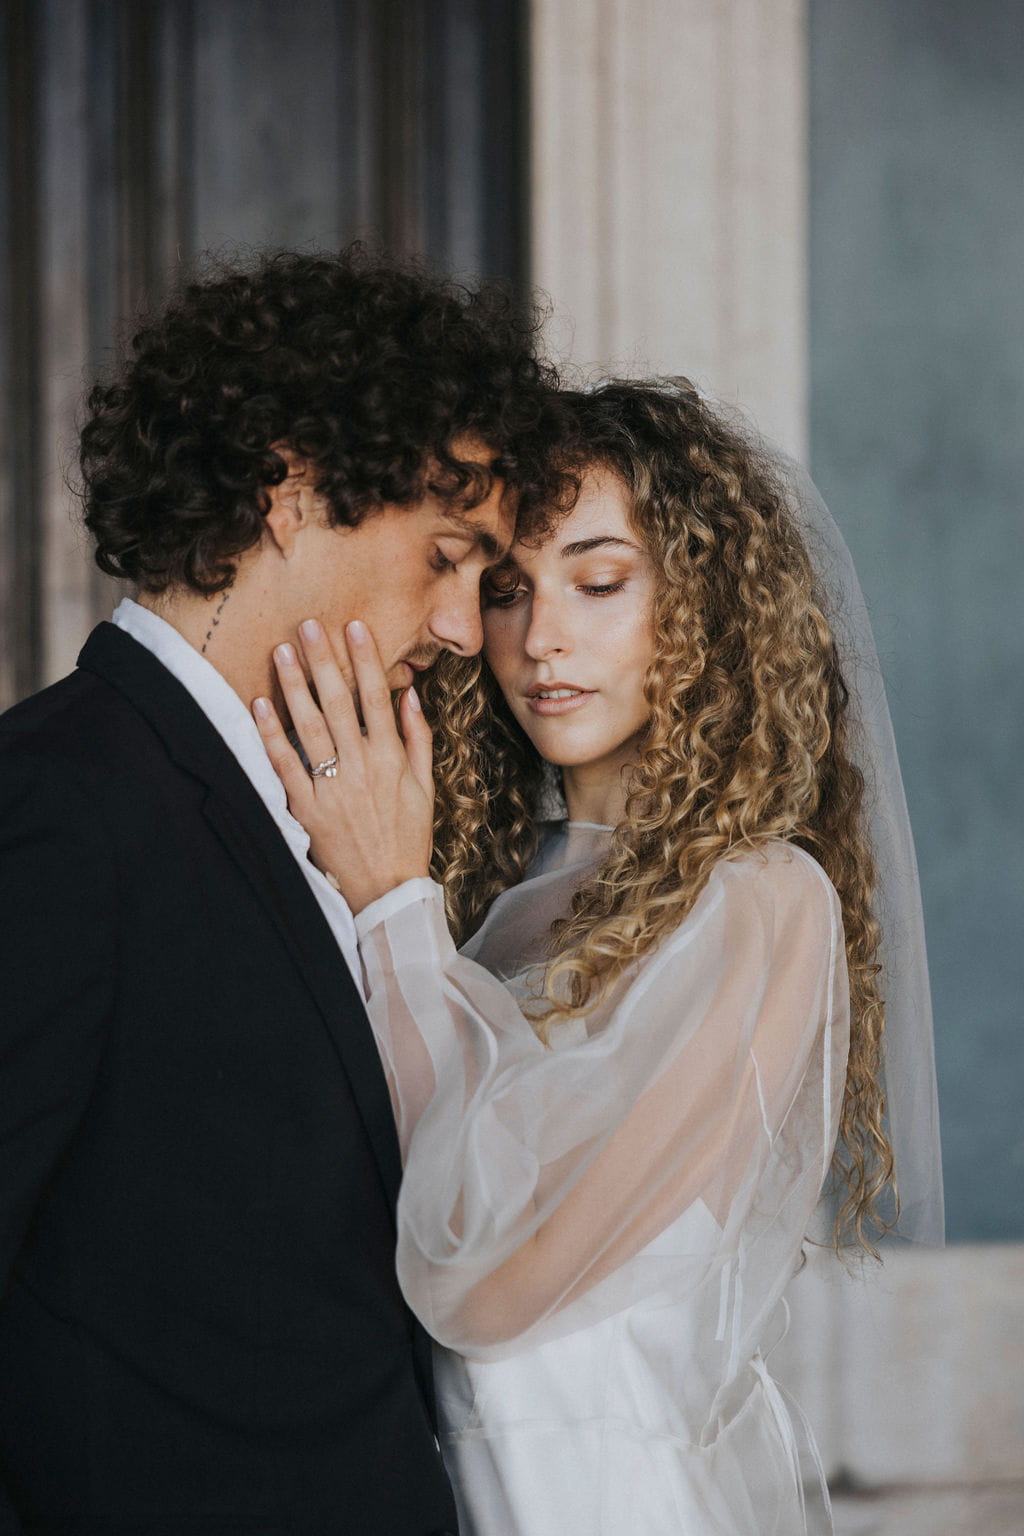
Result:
x=602 y=589
x=500 y=595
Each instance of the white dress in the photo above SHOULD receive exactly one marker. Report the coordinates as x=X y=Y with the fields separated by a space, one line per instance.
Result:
x=599 y=1234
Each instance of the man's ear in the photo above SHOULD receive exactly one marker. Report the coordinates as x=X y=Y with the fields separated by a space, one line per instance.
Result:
x=294 y=504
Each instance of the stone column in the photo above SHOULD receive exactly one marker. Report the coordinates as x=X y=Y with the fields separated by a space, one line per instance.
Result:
x=668 y=165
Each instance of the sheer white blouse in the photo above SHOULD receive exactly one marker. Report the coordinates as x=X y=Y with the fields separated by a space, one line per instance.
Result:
x=599 y=1233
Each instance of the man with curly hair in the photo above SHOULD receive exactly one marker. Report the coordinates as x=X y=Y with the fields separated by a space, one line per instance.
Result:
x=201 y=1328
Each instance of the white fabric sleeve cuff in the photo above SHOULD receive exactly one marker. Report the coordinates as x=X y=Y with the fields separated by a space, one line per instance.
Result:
x=422 y=888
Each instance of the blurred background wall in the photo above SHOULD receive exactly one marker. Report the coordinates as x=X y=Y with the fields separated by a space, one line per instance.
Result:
x=139 y=134
x=917 y=439
x=813 y=208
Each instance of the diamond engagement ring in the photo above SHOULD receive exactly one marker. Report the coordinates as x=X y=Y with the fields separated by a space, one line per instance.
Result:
x=328 y=769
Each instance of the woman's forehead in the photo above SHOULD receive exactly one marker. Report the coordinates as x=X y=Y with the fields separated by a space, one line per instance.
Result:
x=603 y=509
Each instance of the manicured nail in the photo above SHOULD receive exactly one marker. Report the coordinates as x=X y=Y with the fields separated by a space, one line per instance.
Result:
x=309 y=629
x=285 y=653
x=356 y=631
x=414 y=700
x=262 y=708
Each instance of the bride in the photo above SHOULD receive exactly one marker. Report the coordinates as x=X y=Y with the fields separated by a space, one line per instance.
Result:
x=656 y=1036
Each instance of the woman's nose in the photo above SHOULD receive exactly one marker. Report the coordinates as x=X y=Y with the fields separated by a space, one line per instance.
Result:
x=547 y=634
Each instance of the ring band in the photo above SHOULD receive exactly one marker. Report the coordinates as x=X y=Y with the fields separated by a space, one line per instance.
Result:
x=328 y=769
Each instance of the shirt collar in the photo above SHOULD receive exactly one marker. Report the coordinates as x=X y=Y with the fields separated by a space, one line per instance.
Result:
x=219 y=703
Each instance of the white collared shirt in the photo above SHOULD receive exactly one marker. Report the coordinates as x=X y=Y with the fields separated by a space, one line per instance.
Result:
x=228 y=715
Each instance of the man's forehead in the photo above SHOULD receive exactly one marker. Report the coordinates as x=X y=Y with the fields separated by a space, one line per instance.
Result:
x=489 y=521
x=490 y=526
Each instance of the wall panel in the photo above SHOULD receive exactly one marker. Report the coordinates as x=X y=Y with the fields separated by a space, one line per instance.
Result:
x=138 y=135
x=917 y=357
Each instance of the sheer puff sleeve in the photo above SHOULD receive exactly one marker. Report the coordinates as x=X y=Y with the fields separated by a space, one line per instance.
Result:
x=688 y=1118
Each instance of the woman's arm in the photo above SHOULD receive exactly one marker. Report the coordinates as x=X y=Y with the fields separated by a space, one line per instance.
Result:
x=534 y=1178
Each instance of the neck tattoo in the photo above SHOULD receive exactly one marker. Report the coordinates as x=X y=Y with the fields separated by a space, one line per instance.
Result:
x=216 y=620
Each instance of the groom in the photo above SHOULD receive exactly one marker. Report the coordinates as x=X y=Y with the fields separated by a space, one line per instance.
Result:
x=200 y=1327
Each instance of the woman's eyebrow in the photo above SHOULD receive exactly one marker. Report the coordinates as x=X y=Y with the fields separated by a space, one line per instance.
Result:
x=584 y=546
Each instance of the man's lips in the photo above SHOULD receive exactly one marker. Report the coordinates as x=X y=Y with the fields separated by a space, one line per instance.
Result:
x=410 y=665
x=557 y=698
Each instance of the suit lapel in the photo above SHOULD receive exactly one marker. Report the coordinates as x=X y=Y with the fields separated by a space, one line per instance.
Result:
x=276 y=880
x=236 y=813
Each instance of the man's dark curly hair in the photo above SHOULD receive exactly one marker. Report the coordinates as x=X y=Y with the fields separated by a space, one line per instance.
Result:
x=366 y=368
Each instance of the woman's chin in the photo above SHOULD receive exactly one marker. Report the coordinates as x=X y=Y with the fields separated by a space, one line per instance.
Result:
x=563 y=756
x=583 y=755
x=573 y=760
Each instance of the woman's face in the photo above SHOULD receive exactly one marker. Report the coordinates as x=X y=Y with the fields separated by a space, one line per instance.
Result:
x=571 y=640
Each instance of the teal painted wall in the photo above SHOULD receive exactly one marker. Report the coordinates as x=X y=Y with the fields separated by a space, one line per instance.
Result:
x=917 y=436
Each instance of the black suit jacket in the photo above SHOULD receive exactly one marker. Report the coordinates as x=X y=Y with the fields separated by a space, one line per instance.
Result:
x=200 y=1330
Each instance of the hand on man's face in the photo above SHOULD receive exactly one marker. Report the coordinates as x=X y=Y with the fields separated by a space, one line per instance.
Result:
x=411 y=574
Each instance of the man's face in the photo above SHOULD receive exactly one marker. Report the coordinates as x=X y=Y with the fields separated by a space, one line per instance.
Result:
x=411 y=573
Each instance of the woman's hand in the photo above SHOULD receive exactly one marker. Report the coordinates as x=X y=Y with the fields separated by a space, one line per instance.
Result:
x=370 y=821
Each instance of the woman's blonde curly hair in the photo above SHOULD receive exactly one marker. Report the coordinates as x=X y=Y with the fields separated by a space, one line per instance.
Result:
x=746 y=741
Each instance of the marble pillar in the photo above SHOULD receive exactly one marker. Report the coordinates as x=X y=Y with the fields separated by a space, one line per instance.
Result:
x=668 y=168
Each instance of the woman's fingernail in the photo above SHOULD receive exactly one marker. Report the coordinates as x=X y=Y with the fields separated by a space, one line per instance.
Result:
x=286 y=653
x=262 y=708
x=414 y=700
x=356 y=630
x=309 y=629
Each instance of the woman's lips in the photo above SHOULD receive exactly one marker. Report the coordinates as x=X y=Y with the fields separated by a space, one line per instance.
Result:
x=565 y=701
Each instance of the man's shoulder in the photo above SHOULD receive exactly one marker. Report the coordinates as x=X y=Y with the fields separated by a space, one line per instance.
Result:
x=81 y=730
x=82 y=751
x=68 y=714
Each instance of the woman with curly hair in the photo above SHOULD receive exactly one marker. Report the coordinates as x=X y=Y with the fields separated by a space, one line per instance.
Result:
x=660 y=1039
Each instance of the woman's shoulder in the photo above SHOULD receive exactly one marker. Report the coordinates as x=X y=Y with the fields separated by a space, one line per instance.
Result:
x=781 y=886
x=781 y=868
x=777 y=888
x=766 y=910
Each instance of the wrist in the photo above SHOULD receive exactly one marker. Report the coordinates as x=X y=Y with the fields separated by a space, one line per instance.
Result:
x=359 y=896
x=419 y=890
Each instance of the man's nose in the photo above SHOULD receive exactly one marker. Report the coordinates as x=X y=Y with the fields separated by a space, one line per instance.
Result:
x=459 y=627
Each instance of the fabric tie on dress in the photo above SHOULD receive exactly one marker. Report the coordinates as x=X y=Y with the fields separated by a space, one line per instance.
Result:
x=783 y=1406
